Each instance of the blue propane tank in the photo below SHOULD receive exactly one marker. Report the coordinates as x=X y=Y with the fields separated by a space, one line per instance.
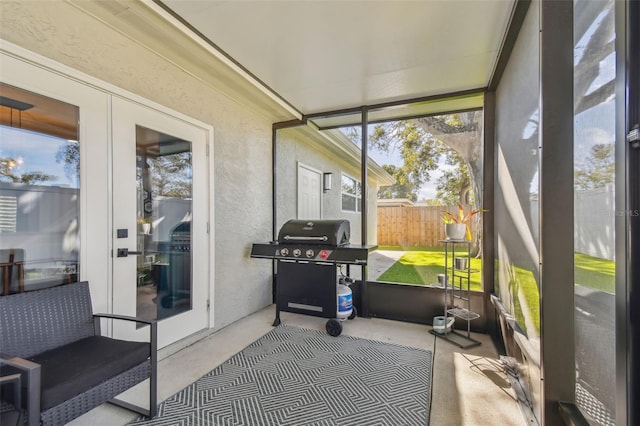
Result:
x=345 y=301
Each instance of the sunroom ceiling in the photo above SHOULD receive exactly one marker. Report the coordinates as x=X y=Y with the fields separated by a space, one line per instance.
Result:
x=330 y=55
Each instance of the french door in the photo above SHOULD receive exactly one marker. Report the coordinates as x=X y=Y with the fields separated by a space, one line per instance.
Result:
x=160 y=221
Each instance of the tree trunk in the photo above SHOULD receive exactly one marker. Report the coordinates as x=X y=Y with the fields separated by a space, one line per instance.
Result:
x=465 y=140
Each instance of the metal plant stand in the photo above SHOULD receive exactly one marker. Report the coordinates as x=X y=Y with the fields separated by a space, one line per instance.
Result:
x=457 y=293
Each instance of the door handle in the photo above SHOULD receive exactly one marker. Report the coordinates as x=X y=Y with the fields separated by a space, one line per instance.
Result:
x=124 y=252
x=633 y=137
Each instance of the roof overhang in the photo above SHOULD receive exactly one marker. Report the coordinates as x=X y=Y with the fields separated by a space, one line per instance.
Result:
x=338 y=146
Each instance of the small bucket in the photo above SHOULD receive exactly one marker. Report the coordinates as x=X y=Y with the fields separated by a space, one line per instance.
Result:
x=460 y=263
x=442 y=325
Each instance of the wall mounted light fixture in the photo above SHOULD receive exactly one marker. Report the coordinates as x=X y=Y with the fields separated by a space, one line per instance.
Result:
x=326 y=181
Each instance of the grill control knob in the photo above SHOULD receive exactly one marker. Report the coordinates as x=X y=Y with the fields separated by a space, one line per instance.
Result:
x=297 y=252
x=310 y=253
x=284 y=251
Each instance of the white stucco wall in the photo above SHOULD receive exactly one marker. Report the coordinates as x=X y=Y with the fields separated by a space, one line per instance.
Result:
x=242 y=138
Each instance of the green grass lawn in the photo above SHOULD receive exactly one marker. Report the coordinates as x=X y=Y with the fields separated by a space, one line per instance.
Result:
x=591 y=272
x=522 y=282
x=421 y=265
x=598 y=274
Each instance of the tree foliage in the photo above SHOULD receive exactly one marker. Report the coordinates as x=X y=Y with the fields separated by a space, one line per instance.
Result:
x=171 y=175
x=460 y=135
x=598 y=169
x=419 y=154
x=69 y=155
x=403 y=188
x=423 y=144
x=454 y=184
x=9 y=172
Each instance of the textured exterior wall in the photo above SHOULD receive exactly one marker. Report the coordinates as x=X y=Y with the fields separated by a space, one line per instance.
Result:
x=293 y=147
x=242 y=139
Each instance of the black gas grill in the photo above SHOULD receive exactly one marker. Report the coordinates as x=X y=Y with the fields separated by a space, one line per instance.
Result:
x=324 y=241
x=332 y=233
x=308 y=255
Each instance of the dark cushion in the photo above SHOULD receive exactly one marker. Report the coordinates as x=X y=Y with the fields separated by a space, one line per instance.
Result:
x=72 y=369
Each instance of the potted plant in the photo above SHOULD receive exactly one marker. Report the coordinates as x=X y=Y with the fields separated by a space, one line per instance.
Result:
x=456 y=226
x=144 y=224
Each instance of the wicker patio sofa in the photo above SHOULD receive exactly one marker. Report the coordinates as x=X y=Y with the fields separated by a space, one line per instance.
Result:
x=53 y=339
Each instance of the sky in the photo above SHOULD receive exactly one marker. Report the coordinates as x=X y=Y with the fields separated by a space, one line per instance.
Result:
x=428 y=189
x=34 y=152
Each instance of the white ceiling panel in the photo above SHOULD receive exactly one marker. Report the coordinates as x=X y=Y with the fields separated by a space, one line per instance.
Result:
x=327 y=55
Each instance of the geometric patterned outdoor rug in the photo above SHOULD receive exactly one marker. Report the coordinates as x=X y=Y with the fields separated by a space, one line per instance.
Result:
x=294 y=376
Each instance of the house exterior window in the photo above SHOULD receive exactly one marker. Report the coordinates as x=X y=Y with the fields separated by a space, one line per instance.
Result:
x=351 y=194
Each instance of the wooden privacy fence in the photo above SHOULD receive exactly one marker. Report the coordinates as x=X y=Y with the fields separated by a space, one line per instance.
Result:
x=414 y=225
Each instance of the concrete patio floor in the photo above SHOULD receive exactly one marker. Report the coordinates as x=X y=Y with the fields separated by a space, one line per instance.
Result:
x=381 y=260
x=469 y=386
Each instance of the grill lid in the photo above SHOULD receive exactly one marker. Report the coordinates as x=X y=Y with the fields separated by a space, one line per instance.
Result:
x=327 y=232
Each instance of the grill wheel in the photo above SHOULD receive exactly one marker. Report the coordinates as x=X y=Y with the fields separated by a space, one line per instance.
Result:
x=354 y=313
x=334 y=328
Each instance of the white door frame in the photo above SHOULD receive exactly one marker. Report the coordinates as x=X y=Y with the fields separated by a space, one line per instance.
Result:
x=125 y=116
x=94 y=219
x=30 y=71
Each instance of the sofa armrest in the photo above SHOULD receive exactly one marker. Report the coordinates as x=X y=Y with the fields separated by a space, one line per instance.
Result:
x=126 y=318
x=153 y=359
x=30 y=372
x=153 y=330
x=153 y=327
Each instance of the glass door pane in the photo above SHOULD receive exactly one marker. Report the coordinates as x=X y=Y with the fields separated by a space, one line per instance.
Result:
x=164 y=206
x=39 y=191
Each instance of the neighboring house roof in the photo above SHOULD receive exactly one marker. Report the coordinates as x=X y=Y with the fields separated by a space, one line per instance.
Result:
x=395 y=202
